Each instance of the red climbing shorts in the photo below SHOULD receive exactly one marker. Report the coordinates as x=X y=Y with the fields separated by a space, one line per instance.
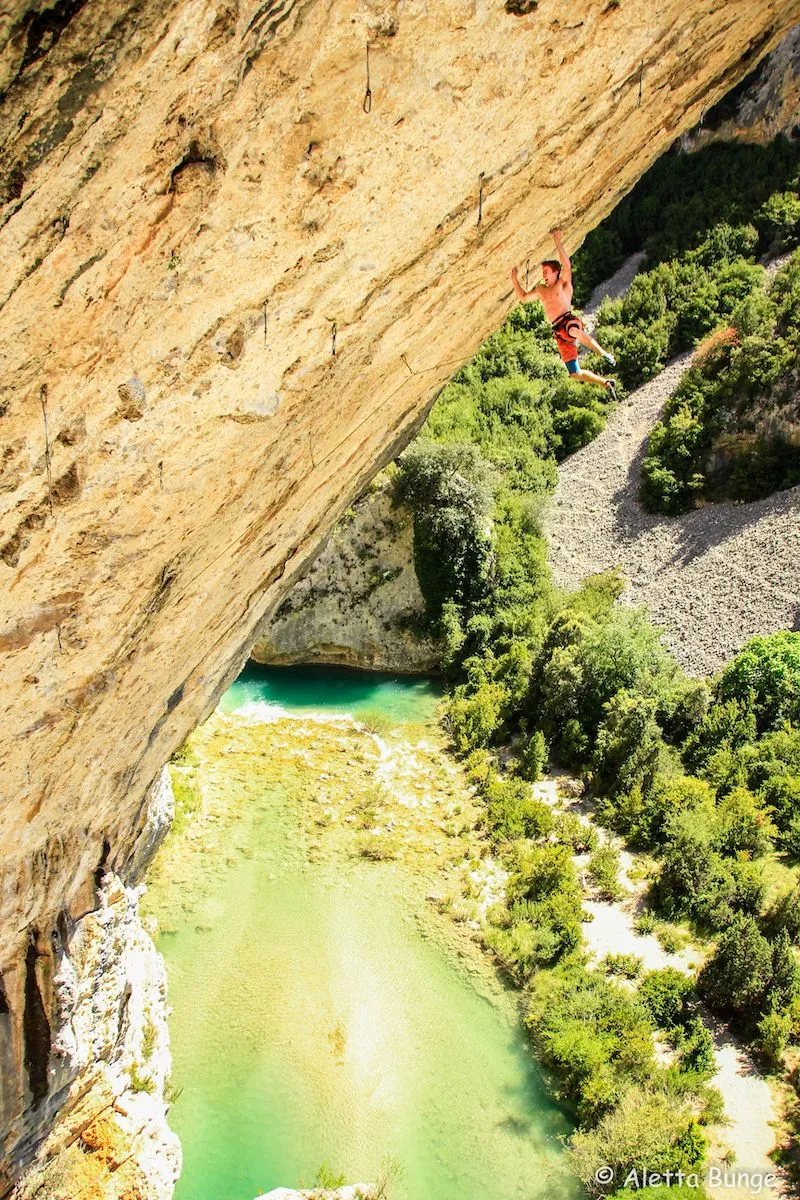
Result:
x=565 y=330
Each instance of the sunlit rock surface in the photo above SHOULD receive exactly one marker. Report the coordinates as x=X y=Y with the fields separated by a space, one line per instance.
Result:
x=200 y=201
x=109 y=1064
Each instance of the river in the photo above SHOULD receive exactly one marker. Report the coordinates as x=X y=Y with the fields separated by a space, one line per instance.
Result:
x=323 y=1010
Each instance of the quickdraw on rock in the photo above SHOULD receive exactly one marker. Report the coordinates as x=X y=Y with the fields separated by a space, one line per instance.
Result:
x=367 y=106
x=47 y=459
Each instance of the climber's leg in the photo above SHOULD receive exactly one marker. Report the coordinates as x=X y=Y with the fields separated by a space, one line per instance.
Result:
x=582 y=376
x=586 y=339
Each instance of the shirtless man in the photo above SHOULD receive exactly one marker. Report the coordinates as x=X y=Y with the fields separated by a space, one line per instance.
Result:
x=556 y=296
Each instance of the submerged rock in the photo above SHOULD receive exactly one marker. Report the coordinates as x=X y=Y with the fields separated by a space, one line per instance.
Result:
x=353 y=1191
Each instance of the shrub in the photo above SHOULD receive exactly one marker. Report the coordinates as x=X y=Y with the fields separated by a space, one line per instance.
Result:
x=785 y=915
x=737 y=977
x=646 y=1132
x=594 y=1033
x=604 y=872
x=689 y=863
x=628 y=746
x=779 y=220
x=629 y=966
x=534 y=756
x=669 y=795
x=448 y=489
x=473 y=716
x=764 y=678
x=570 y=829
x=696 y=1048
x=774 y=1034
x=540 y=871
x=645 y=923
x=513 y=812
x=741 y=825
x=665 y=994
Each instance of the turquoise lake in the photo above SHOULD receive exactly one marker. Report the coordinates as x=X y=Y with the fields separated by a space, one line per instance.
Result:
x=321 y=1017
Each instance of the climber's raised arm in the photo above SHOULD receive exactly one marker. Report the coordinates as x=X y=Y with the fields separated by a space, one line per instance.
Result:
x=566 y=265
x=520 y=290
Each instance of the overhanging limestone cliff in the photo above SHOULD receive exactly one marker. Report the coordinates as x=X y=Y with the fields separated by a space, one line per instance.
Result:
x=200 y=204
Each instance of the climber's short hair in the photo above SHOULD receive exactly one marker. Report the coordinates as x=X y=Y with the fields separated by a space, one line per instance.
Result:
x=554 y=263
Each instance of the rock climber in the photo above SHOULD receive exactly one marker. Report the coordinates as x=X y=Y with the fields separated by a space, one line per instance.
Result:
x=556 y=296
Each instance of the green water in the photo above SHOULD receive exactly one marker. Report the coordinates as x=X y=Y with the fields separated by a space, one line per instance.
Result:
x=333 y=690
x=320 y=1015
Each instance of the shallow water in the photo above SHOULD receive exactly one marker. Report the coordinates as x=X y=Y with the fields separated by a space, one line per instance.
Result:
x=334 y=690
x=321 y=1016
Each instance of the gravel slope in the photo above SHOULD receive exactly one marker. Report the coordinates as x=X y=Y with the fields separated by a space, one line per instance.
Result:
x=714 y=577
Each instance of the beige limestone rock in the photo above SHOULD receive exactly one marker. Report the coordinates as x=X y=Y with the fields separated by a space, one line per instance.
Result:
x=109 y=1064
x=359 y=603
x=193 y=196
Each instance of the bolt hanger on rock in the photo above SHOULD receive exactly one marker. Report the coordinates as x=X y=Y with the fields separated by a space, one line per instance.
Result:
x=367 y=105
x=47 y=458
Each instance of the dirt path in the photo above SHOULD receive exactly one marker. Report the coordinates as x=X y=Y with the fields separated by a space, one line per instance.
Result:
x=749 y=1102
x=714 y=577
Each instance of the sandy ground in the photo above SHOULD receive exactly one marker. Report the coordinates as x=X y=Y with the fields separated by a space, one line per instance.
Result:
x=749 y=1102
x=714 y=577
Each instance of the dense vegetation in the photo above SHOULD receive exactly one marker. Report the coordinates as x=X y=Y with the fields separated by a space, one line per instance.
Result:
x=683 y=197
x=732 y=427
x=704 y=776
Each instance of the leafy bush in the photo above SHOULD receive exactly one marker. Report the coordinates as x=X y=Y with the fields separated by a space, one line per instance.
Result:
x=695 y=1047
x=774 y=1034
x=765 y=678
x=448 y=489
x=646 y=1132
x=666 y=994
x=513 y=812
x=604 y=872
x=737 y=978
x=571 y=830
x=629 y=966
x=534 y=756
x=730 y=427
x=593 y=1033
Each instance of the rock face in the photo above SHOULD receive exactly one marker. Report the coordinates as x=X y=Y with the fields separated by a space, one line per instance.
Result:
x=241 y=253
x=97 y=1050
x=765 y=103
x=359 y=603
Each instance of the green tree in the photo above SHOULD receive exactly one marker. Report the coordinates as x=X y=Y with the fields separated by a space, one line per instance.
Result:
x=665 y=994
x=736 y=979
x=765 y=678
